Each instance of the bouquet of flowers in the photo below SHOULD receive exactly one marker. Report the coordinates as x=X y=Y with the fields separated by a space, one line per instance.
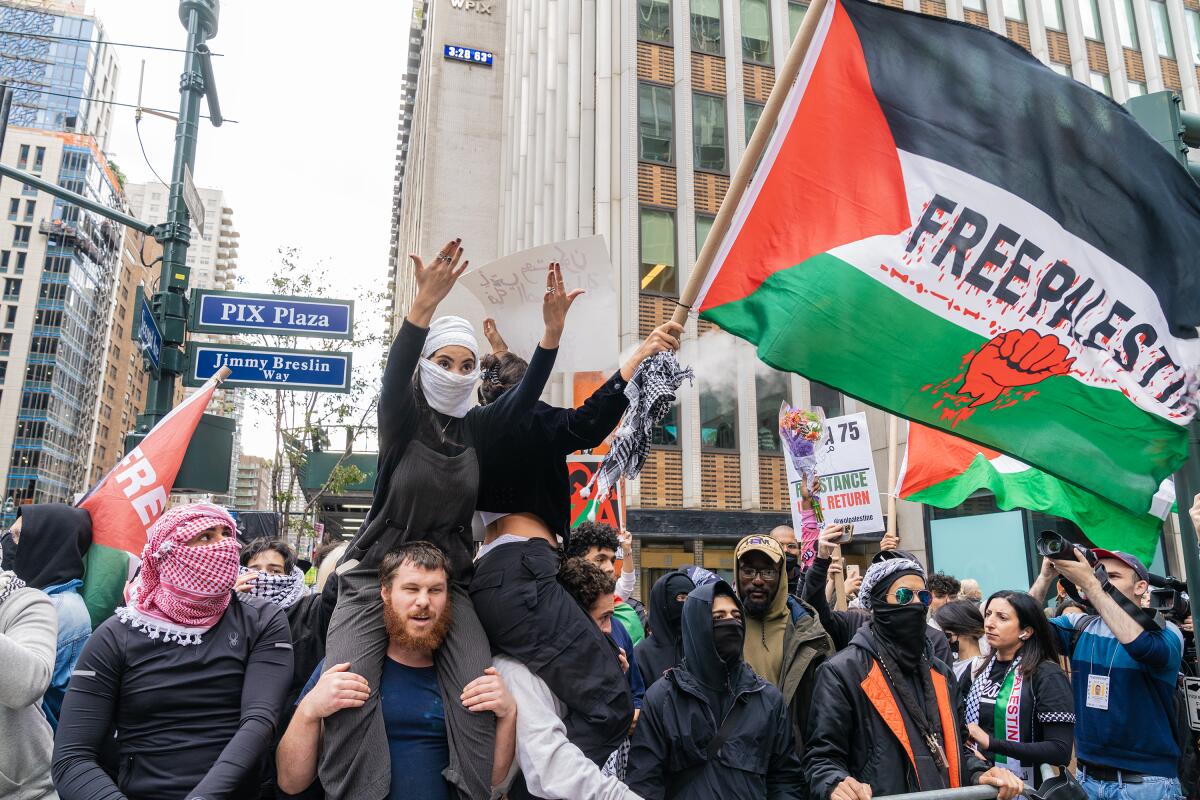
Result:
x=800 y=431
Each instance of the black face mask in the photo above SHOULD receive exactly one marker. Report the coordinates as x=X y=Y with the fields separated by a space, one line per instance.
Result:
x=674 y=613
x=729 y=636
x=901 y=629
x=8 y=551
x=793 y=564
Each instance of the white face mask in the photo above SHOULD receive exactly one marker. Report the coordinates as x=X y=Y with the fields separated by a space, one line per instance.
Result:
x=445 y=391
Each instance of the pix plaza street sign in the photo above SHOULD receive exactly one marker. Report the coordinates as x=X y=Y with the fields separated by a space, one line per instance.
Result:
x=215 y=311
x=269 y=367
x=146 y=333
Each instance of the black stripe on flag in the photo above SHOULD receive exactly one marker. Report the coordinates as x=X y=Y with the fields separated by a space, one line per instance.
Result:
x=966 y=97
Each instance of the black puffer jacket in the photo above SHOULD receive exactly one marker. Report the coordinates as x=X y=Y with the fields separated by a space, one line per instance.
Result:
x=857 y=728
x=663 y=647
x=681 y=715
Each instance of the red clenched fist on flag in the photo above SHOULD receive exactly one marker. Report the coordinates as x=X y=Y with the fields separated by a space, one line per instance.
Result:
x=1014 y=358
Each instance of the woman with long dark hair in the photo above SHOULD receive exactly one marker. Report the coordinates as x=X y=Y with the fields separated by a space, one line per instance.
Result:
x=1020 y=710
x=962 y=623
x=525 y=612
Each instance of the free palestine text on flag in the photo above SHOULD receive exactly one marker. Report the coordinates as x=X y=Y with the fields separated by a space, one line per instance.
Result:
x=947 y=229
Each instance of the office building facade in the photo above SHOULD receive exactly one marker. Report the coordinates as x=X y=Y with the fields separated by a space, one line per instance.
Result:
x=252 y=492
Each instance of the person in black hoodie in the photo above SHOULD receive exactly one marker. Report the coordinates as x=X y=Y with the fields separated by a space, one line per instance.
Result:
x=662 y=649
x=712 y=728
x=49 y=542
x=886 y=719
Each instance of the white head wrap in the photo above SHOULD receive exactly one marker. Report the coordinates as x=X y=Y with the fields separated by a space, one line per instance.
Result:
x=446 y=331
x=448 y=392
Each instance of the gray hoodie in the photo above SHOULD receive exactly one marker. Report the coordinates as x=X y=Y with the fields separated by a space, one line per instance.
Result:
x=28 y=636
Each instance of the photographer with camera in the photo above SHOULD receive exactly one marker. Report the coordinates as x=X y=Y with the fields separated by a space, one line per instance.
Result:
x=1124 y=662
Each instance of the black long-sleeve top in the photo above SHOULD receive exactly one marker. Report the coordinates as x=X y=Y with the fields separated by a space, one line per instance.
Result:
x=538 y=446
x=192 y=721
x=401 y=419
x=842 y=625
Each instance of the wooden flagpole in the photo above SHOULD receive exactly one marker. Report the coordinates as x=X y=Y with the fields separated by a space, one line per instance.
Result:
x=754 y=150
x=893 y=468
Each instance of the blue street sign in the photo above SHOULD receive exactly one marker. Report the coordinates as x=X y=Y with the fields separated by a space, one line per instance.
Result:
x=468 y=54
x=216 y=311
x=269 y=367
x=147 y=334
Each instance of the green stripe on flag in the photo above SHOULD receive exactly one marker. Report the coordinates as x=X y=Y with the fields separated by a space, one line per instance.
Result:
x=105 y=570
x=827 y=320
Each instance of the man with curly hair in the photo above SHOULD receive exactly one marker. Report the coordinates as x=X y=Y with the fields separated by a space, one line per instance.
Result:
x=599 y=544
x=945 y=588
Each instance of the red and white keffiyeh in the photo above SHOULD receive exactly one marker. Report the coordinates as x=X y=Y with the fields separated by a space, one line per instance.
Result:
x=182 y=591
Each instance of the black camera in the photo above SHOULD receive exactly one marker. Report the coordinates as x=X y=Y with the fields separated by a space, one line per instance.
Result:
x=1051 y=544
x=1170 y=598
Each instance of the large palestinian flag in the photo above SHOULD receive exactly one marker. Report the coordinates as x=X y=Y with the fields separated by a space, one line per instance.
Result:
x=945 y=228
x=942 y=470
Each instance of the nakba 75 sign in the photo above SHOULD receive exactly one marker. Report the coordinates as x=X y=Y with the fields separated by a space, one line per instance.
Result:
x=216 y=311
x=849 y=491
x=269 y=367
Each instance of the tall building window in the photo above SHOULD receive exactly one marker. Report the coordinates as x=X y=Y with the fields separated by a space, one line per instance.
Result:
x=10 y=318
x=1135 y=88
x=656 y=123
x=718 y=418
x=1162 y=28
x=796 y=12
x=1193 y=26
x=39 y=159
x=706 y=26
x=657 y=247
x=21 y=235
x=30 y=207
x=1015 y=9
x=20 y=267
x=12 y=289
x=14 y=207
x=5 y=257
x=756 y=31
x=1052 y=14
x=704 y=223
x=826 y=398
x=1089 y=12
x=666 y=431
x=5 y=343
x=708 y=132
x=654 y=20
x=753 y=112
x=975 y=5
x=23 y=157
x=1100 y=82
x=770 y=391
x=1127 y=25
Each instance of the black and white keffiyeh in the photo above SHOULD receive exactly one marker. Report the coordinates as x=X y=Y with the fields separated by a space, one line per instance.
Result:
x=282 y=590
x=9 y=583
x=651 y=393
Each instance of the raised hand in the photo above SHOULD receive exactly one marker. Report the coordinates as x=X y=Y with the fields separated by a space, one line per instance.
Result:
x=1014 y=358
x=664 y=337
x=555 y=305
x=492 y=334
x=435 y=280
x=827 y=542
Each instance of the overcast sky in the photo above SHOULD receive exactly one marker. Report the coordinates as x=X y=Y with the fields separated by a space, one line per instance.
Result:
x=315 y=87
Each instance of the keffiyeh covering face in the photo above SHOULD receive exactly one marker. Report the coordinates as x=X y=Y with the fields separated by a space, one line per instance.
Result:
x=182 y=591
x=282 y=590
x=448 y=392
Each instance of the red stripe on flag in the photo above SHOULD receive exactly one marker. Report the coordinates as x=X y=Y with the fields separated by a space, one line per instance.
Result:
x=934 y=457
x=838 y=164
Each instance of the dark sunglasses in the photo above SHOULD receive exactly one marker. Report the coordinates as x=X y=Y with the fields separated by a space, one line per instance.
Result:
x=904 y=596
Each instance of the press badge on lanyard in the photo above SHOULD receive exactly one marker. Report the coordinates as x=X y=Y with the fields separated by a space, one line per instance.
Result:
x=1097 y=692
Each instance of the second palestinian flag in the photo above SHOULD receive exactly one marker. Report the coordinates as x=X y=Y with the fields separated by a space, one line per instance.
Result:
x=945 y=228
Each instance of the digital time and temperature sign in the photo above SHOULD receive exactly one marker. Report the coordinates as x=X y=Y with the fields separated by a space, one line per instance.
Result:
x=469 y=55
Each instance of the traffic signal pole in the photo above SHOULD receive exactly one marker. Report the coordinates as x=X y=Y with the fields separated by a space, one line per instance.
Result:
x=170 y=303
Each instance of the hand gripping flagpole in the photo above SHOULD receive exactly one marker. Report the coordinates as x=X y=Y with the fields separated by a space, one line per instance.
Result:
x=750 y=159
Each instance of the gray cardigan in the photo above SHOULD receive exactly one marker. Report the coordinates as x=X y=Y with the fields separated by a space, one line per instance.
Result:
x=28 y=638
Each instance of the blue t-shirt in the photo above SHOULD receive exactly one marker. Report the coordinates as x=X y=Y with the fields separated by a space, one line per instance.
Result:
x=1141 y=696
x=416 y=729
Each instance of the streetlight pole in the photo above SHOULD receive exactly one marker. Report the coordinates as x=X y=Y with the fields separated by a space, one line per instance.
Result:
x=170 y=303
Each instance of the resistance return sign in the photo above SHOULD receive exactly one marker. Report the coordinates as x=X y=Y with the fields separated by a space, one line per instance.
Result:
x=269 y=367
x=216 y=311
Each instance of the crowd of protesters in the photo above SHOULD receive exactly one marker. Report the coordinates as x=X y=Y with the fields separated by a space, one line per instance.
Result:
x=422 y=664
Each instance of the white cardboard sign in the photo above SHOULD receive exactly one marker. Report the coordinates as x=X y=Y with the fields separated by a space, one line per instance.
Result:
x=510 y=290
x=849 y=489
